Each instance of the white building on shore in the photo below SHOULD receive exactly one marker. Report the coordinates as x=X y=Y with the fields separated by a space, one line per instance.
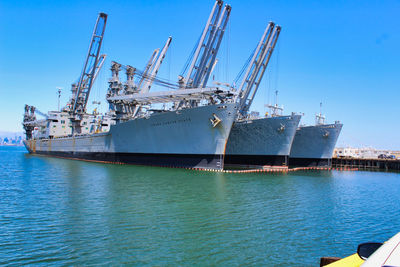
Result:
x=363 y=153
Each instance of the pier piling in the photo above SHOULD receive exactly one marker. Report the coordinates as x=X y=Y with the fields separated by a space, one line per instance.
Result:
x=367 y=164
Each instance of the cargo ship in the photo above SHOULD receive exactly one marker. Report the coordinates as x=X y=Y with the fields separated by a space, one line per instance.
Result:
x=262 y=141
x=192 y=132
x=176 y=139
x=313 y=145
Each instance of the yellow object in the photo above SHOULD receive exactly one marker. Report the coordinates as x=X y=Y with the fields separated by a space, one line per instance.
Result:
x=215 y=121
x=350 y=261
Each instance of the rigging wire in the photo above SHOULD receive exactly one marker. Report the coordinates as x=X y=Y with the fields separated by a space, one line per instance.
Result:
x=140 y=74
x=98 y=88
x=169 y=62
x=271 y=84
x=228 y=37
x=239 y=77
x=186 y=66
x=277 y=66
x=273 y=77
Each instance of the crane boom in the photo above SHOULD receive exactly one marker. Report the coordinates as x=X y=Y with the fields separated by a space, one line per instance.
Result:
x=204 y=45
x=97 y=69
x=149 y=64
x=245 y=84
x=145 y=88
x=265 y=60
x=35 y=110
x=206 y=71
x=99 y=65
x=256 y=67
x=88 y=73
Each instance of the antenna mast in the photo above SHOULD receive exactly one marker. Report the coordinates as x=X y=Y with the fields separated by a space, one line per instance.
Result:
x=59 y=96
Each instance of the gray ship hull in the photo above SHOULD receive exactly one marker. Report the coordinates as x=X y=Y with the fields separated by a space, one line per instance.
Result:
x=314 y=145
x=184 y=138
x=265 y=141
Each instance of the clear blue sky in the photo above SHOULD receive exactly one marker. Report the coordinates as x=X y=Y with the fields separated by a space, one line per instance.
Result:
x=343 y=53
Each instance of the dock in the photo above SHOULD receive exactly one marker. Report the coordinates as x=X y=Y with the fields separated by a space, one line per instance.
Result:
x=367 y=164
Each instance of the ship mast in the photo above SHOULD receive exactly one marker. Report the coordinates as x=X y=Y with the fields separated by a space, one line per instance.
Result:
x=319 y=118
x=275 y=109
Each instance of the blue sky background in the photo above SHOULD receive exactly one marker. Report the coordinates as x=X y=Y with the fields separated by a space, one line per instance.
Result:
x=345 y=54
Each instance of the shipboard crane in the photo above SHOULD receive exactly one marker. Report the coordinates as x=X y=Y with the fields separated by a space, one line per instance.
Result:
x=256 y=68
x=74 y=86
x=90 y=68
x=149 y=64
x=207 y=48
x=97 y=68
x=125 y=109
x=211 y=59
x=152 y=72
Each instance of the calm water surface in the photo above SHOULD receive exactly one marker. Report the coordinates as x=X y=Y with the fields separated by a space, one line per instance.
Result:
x=65 y=212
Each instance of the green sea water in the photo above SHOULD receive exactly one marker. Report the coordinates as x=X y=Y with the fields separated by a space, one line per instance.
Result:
x=65 y=212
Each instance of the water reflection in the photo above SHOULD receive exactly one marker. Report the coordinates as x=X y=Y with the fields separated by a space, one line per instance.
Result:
x=77 y=213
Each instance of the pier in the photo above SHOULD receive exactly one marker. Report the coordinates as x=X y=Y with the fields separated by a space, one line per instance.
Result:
x=366 y=164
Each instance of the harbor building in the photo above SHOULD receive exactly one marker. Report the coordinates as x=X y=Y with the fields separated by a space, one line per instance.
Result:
x=365 y=153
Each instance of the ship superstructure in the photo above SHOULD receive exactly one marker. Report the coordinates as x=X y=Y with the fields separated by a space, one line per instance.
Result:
x=191 y=130
x=73 y=118
x=256 y=140
x=313 y=145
